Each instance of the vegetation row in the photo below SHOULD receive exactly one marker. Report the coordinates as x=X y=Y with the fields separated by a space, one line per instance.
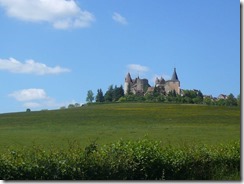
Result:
x=116 y=94
x=124 y=160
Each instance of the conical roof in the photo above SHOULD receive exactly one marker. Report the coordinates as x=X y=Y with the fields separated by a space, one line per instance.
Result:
x=156 y=80
x=161 y=80
x=128 y=78
x=174 y=76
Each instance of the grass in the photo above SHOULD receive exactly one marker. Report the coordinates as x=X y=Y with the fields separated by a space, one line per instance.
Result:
x=106 y=123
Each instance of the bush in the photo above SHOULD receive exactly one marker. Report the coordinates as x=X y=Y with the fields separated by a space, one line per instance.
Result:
x=28 y=110
x=123 y=160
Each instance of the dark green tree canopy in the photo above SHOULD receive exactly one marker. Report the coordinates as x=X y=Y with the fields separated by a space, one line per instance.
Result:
x=113 y=94
x=99 y=97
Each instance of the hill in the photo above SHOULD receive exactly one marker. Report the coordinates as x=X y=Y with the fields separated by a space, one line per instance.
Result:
x=106 y=123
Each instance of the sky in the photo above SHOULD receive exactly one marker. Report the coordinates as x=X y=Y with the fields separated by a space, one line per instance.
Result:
x=53 y=51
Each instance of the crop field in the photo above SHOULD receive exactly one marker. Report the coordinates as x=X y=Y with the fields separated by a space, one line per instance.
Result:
x=171 y=124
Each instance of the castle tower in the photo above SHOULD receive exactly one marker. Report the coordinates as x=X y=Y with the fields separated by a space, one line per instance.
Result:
x=159 y=82
x=127 y=84
x=156 y=82
x=174 y=76
x=173 y=84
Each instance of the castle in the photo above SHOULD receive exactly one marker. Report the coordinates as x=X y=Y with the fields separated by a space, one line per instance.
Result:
x=141 y=86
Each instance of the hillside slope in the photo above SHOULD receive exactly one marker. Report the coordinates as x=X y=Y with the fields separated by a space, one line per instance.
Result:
x=106 y=123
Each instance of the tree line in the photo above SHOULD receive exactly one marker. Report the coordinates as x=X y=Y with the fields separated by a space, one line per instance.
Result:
x=113 y=94
x=116 y=94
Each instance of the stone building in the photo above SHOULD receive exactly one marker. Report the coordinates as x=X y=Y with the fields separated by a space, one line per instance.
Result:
x=141 y=86
x=222 y=96
x=169 y=85
x=135 y=86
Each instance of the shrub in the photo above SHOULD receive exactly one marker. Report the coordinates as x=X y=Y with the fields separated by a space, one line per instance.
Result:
x=123 y=160
x=28 y=110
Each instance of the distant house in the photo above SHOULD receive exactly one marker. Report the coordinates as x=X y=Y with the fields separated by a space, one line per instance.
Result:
x=207 y=96
x=222 y=96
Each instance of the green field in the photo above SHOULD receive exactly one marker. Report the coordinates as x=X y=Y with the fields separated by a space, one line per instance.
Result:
x=106 y=123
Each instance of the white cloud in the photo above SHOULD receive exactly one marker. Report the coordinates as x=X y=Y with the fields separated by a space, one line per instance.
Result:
x=120 y=19
x=137 y=68
x=44 y=104
x=35 y=99
x=29 y=94
x=29 y=67
x=62 y=14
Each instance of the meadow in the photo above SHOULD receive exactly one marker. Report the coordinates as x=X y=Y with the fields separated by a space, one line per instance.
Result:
x=172 y=124
x=122 y=141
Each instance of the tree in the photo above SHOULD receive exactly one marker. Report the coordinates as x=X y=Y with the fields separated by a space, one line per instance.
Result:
x=172 y=93
x=231 y=100
x=156 y=92
x=171 y=97
x=117 y=93
x=99 y=97
x=239 y=100
x=160 y=98
x=129 y=92
x=108 y=97
x=207 y=101
x=192 y=96
x=199 y=98
x=90 y=96
x=221 y=102
x=179 y=99
x=190 y=93
x=149 y=97
x=199 y=94
x=187 y=99
x=71 y=106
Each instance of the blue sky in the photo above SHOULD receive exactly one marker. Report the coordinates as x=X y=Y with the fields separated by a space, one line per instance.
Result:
x=53 y=51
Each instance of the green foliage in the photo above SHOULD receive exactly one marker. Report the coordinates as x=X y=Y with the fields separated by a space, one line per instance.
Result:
x=28 y=110
x=207 y=101
x=109 y=94
x=122 y=99
x=123 y=160
x=238 y=100
x=132 y=98
x=221 y=102
x=117 y=93
x=113 y=94
x=159 y=95
x=90 y=96
x=71 y=106
x=231 y=100
x=192 y=97
x=99 y=97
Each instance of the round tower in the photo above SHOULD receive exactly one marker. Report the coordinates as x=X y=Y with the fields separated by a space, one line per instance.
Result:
x=127 y=84
x=174 y=83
